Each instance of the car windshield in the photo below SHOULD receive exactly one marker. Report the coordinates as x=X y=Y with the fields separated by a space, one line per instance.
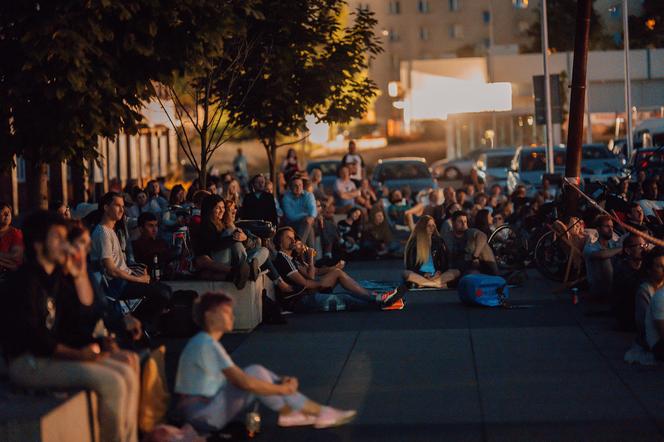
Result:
x=328 y=168
x=536 y=161
x=403 y=171
x=499 y=160
x=596 y=153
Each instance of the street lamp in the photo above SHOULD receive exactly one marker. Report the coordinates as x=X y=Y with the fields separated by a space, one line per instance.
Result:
x=547 y=88
x=628 y=82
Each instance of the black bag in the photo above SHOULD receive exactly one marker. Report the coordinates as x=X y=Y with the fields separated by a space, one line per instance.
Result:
x=262 y=229
x=178 y=322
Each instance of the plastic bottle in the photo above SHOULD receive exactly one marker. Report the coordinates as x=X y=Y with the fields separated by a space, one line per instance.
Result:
x=253 y=422
x=156 y=271
x=575 y=295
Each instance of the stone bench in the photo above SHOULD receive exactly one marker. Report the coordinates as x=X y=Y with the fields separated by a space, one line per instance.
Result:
x=47 y=417
x=248 y=304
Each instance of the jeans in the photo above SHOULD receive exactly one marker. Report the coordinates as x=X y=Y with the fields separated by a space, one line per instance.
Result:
x=116 y=384
x=215 y=412
x=237 y=254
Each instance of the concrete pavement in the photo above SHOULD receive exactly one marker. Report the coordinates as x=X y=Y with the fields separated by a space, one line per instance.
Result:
x=441 y=371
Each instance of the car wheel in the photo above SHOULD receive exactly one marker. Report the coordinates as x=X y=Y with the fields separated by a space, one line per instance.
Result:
x=452 y=173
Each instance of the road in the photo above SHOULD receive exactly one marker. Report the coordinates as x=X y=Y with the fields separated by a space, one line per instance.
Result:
x=438 y=370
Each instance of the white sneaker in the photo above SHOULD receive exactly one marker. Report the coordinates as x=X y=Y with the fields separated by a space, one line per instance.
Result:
x=296 y=419
x=331 y=417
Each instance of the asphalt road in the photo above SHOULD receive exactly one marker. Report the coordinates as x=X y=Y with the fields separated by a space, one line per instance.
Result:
x=438 y=370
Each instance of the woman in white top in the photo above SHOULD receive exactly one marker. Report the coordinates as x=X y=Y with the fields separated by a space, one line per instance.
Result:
x=213 y=390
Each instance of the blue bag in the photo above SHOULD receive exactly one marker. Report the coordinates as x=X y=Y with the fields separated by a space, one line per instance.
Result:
x=485 y=290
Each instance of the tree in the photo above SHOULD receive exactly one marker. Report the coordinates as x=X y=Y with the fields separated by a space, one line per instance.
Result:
x=200 y=118
x=647 y=29
x=305 y=63
x=76 y=70
x=562 y=22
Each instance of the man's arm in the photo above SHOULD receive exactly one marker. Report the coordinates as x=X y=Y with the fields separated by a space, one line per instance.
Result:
x=114 y=272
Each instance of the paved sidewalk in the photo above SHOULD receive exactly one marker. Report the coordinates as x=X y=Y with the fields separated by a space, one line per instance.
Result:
x=441 y=371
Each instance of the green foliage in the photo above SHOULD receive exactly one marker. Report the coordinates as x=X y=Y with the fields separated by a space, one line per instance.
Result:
x=304 y=62
x=647 y=29
x=562 y=27
x=74 y=70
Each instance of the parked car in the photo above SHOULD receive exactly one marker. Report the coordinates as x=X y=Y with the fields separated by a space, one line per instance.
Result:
x=598 y=163
x=329 y=169
x=493 y=165
x=529 y=165
x=650 y=159
x=397 y=173
x=456 y=169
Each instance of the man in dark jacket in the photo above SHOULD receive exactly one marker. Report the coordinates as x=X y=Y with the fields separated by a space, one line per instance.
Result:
x=259 y=204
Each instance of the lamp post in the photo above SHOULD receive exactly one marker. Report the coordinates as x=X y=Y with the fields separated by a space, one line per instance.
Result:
x=628 y=82
x=547 y=88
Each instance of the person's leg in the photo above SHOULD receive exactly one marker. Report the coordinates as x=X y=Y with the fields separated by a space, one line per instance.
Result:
x=337 y=276
x=157 y=296
x=447 y=277
x=416 y=278
x=260 y=254
x=106 y=382
x=132 y=383
x=294 y=402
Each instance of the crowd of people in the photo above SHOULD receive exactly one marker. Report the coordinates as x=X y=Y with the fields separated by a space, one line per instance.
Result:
x=94 y=286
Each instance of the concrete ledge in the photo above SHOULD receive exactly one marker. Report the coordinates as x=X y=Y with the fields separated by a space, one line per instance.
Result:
x=248 y=302
x=26 y=418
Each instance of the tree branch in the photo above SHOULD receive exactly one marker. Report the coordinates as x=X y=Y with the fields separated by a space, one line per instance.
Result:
x=293 y=142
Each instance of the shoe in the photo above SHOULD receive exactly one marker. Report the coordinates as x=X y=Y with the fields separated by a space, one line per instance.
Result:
x=296 y=419
x=254 y=270
x=241 y=275
x=390 y=297
x=331 y=417
x=398 y=305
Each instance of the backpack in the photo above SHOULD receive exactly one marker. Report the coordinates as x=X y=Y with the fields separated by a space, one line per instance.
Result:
x=484 y=290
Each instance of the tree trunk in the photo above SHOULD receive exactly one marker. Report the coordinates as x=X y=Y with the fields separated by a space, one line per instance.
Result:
x=37 y=182
x=78 y=181
x=272 y=160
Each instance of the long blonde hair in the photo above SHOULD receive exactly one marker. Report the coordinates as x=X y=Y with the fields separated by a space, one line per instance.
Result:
x=421 y=239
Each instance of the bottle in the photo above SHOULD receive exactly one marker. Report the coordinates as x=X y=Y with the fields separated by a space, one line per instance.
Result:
x=575 y=295
x=156 y=272
x=253 y=422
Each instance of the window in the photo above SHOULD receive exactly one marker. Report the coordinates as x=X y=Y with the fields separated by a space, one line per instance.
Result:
x=423 y=6
x=453 y=5
x=486 y=17
x=393 y=35
x=395 y=7
x=520 y=4
x=456 y=31
x=424 y=33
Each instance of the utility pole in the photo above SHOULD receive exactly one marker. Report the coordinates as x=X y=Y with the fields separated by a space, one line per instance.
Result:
x=577 y=102
x=547 y=87
x=628 y=83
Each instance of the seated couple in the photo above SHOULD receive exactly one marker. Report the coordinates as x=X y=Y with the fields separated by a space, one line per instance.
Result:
x=213 y=391
x=312 y=286
x=434 y=262
x=225 y=252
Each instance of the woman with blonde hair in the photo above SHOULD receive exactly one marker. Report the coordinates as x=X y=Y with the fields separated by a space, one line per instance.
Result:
x=425 y=257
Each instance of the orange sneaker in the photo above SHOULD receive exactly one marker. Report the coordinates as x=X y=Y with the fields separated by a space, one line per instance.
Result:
x=397 y=305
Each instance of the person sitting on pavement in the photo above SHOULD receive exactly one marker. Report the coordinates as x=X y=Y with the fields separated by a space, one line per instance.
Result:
x=176 y=205
x=327 y=231
x=61 y=208
x=598 y=256
x=213 y=391
x=377 y=237
x=625 y=286
x=11 y=242
x=425 y=257
x=350 y=232
x=484 y=222
x=307 y=296
x=346 y=193
x=398 y=212
x=156 y=202
x=636 y=218
x=467 y=248
x=107 y=256
x=300 y=211
x=654 y=317
x=352 y=157
x=49 y=293
x=653 y=281
x=318 y=189
x=650 y=202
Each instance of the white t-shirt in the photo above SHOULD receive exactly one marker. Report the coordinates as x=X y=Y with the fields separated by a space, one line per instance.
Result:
x=200 y=367
x=655 y=312
x=105 y=244
x=355 y=158
x=599 y=272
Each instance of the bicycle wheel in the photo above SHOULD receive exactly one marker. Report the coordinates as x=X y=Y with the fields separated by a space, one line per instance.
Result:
x=551 y=257
x=508 y=248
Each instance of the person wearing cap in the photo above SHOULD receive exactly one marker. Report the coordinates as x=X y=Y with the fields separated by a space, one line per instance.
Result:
x=355 y=163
